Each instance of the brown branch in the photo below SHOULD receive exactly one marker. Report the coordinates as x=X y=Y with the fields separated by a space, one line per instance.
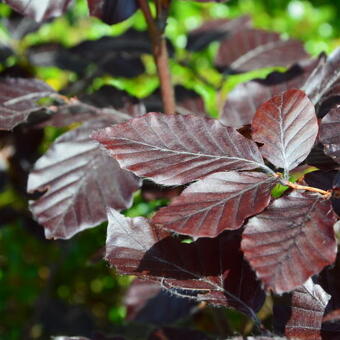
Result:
x=160 y=54
x=324 y=193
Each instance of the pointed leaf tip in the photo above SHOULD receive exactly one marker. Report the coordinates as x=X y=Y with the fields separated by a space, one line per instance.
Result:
x=287 y=126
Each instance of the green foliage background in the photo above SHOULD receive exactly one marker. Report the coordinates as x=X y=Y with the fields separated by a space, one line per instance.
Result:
x=34 y=271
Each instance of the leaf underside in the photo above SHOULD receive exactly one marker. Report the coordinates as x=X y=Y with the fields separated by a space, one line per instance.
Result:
x=290 y=241
x=221 y=201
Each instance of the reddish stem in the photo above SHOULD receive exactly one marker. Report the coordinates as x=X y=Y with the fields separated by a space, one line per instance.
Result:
x=160 y=53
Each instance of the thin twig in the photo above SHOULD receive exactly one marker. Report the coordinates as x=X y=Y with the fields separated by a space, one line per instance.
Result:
x=160 y=53
x=324 y=193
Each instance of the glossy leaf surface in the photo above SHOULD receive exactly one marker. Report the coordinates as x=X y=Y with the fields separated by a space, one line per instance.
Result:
x=178 y=149
x=39 y=9
x=211 y=270
x=251 y=49
x=330 y=134
x=287 y=126
x=300 y=314
x=221 y=201
x=81 y=182
x=18 y=100
x=290 y=241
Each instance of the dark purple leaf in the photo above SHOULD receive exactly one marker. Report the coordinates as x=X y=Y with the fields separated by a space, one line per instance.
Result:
x=251 y=49
x=107 y=103
x=144 y=297
x=112 y=11
x=81 y=182
x=39 y=9
x=324 y=82
x=330 y=133
x=221 y=201
x=178 y=149
x=290 y=241
x=244 y=100
x=319 y=159
x=299 y=315
x=117 y=56
x=215 y=30
x=18 y=100
x=287 y=126
x=211 y=270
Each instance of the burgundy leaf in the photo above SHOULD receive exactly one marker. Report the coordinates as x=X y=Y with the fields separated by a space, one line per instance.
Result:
x=18 y=100
x=81 y=182
x=323 y=83
x=290 y=241
x=39 y=9
x=251 y=49
x=215 y=30
x=112 y=11
x=287 y=126
x=221 y=201
x=244 y=100
x=299 y=315
x=330 y=133
x=211 y=270
x=177 y=149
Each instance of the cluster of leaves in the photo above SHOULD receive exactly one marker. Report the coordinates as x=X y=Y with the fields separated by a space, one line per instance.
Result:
x=252 y=230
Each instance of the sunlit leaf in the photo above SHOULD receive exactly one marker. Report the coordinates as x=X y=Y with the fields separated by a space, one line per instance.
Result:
x=287 y=126
x=178 y=149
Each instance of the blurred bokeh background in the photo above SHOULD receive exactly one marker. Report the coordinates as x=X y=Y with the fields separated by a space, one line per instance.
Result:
x=63 y=287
